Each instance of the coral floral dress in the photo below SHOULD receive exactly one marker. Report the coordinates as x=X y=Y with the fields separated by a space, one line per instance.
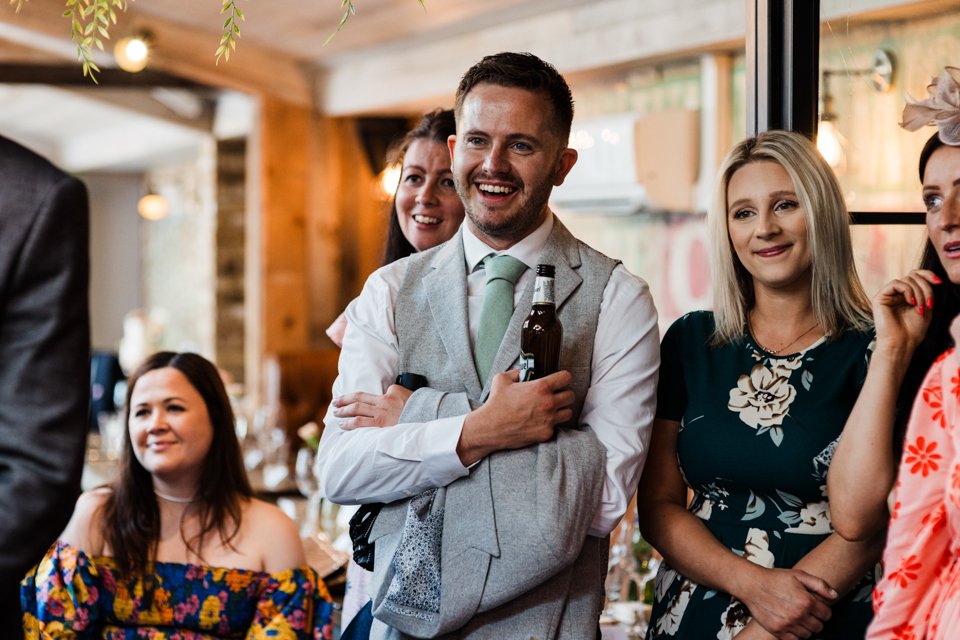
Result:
x=72 y=595
x=919 y=597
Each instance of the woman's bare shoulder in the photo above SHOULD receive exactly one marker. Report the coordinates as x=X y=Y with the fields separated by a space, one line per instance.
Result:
x=275 y=535
x=84 y=531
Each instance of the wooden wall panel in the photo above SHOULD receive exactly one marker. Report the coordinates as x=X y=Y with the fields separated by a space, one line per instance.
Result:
x=285 y=158
x=323 y=227
x=326 y=243
x=346 y=222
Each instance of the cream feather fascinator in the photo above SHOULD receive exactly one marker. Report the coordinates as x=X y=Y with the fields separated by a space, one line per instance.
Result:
x=941 y=108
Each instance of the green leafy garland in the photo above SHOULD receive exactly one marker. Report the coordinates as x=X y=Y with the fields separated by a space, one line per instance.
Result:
x=90 y=22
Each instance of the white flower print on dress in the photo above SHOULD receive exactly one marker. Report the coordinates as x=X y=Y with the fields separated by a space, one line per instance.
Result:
x=734 y=618
x=783 y=367
x=814 y=519
x=670 y=620
x=763 y=400
x=705 y=510
x=664 y=579
x=757 y=548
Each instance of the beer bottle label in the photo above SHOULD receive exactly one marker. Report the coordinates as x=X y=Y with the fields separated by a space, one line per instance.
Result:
x=527 y=365
x=543 y=291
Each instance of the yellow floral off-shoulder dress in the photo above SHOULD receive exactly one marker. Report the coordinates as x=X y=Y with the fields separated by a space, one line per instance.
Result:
x=72 y=595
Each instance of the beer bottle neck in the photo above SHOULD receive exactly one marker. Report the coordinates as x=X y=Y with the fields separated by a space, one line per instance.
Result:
x=543 y=291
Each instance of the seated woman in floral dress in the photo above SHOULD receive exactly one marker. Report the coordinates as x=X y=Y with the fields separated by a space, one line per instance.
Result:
x=751 y=402
x=177 y=547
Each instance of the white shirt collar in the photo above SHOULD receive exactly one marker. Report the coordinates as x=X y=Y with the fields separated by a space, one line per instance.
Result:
x=526 y=251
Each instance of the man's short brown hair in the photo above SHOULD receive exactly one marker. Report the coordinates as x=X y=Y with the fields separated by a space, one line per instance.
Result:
x=523 y=71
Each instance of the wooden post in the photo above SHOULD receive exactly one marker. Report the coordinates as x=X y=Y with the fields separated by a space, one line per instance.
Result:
x=284 y=163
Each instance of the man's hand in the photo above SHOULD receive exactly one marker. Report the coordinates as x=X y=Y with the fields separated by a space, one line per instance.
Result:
x=371 y=410
x=789 y=603
x=516 y=415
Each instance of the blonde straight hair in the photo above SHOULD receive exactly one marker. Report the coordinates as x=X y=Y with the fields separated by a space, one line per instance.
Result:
x=839 y=302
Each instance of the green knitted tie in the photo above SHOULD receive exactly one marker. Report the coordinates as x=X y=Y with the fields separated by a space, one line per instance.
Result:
x=502 y=273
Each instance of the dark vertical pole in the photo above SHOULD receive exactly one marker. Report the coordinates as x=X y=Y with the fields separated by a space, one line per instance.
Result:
x=783 y=59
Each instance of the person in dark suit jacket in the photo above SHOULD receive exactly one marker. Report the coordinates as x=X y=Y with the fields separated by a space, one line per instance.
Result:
x=44 y=361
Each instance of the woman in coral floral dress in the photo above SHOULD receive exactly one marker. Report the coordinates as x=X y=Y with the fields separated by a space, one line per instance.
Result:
x=752 y=400
x=177 y=547
x=919 y=597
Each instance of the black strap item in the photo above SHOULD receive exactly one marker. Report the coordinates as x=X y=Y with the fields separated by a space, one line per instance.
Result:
x=362 y=521
x=360 y=525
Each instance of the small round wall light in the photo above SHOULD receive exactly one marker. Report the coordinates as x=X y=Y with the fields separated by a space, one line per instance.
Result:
x=153 y=206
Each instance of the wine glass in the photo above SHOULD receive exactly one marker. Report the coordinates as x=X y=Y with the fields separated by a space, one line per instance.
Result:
x=622 y=567
x=320 y=551
x=308 y=485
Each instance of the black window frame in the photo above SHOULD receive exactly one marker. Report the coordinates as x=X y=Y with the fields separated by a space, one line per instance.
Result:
x=782 y=73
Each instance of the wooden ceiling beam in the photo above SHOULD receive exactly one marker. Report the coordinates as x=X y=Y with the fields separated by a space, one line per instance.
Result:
x=577 y=39
x=66 y=75
x=185 y=51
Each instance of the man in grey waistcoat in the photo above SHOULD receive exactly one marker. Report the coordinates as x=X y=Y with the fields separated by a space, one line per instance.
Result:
x=500 y=495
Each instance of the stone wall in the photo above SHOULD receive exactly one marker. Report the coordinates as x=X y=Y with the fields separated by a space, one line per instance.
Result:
x=230 y=253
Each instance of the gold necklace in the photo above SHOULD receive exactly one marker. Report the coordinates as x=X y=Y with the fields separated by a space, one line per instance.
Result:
x=776 y=352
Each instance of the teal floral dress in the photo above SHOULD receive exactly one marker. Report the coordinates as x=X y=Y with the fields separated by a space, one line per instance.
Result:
x=757 y=433
x=71 y=595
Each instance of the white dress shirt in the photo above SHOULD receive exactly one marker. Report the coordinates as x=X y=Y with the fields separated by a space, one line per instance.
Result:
x=385 y=464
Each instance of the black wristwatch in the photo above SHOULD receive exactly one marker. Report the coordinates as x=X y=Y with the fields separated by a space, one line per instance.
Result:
x=411 y=381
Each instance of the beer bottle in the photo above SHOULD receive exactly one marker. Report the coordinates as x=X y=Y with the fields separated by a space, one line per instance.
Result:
x=542 y=332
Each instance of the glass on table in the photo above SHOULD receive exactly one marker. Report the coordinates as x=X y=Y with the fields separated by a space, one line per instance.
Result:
x=308 y=485
x=317 y=543
x=268 y=447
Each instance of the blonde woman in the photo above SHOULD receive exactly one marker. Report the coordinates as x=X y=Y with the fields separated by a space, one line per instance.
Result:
x=752 y=399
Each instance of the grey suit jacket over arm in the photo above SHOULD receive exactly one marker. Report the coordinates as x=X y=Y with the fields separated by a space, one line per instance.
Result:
x=44 y=361
x=521 y=517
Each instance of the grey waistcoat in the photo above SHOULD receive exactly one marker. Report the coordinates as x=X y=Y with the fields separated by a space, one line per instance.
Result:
x=516 y=560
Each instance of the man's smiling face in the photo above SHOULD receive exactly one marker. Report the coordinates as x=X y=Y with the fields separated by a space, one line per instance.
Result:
x=507 y=157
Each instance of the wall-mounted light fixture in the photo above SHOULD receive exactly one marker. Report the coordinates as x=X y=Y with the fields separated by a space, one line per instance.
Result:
x=388 y=180
x=829 y=140
x=153 y=206
x=133 y=52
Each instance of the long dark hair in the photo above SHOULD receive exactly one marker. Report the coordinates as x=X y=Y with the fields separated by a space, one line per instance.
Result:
x=438 y=125
x=131 y=515
x=945 y=309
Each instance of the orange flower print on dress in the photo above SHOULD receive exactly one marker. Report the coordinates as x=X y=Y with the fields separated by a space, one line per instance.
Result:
x=904 y=632
x=955 y=486
x=933 y=397
x=936 y=520
x=955 y=381
x=238 y=580
x=922 y=457
x=877 y=600
x=907 y=571
x=189 y=600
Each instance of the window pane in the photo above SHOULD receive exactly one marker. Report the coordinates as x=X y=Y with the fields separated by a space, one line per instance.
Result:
x=877 y=165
